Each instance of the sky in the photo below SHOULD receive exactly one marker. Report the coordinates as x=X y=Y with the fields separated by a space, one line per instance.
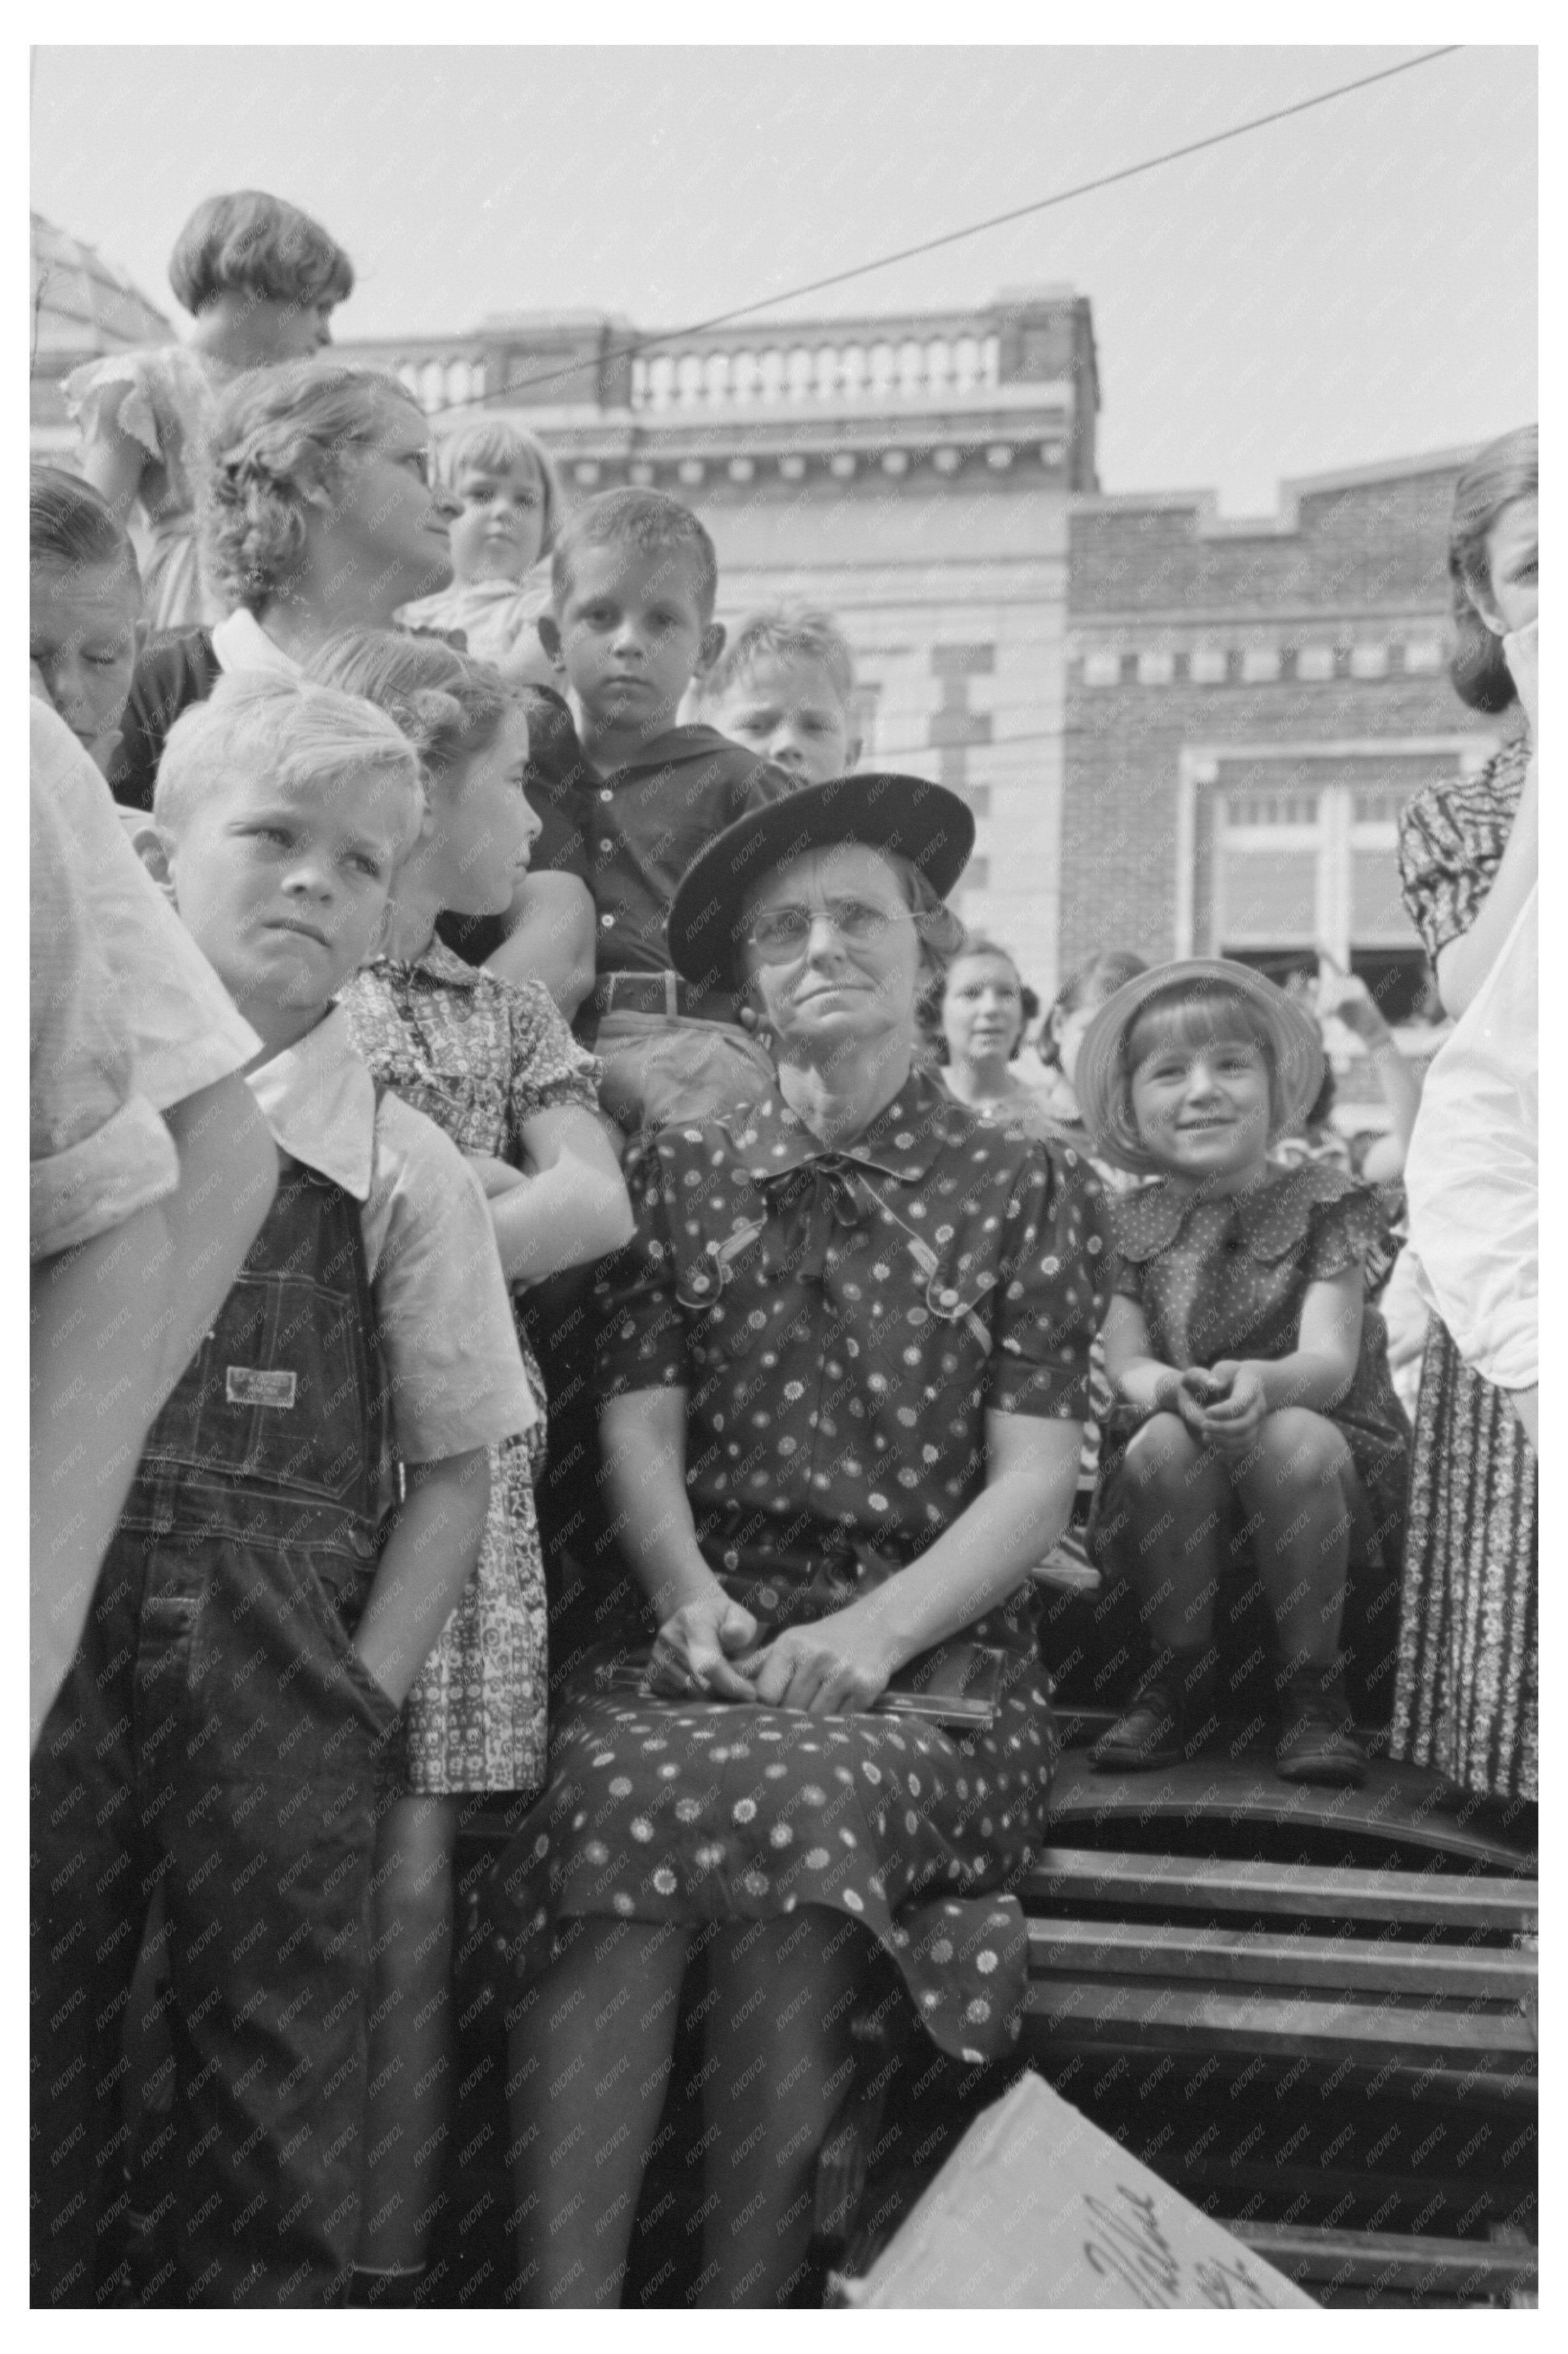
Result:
x=1355 y=284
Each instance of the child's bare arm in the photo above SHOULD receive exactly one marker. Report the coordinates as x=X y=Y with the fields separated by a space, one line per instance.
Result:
x=113 y=459
x=550 y=939
x=572 y=1209
x=430 y=1557
x=1132 y=1369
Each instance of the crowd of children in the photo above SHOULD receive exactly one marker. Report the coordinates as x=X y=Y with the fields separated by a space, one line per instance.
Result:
x=330 y=1094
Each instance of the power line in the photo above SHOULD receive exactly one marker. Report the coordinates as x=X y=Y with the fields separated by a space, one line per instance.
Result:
x=638 y=344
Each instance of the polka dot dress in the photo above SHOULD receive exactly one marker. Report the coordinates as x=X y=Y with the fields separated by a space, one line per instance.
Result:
x=840 y=1322
x=1226 y=1278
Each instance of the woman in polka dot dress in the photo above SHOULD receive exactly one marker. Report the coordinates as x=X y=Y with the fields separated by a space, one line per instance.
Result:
x=1256 y=1419
x=843 y=1367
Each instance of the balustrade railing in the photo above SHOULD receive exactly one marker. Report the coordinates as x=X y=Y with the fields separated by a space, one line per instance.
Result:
x=788 y=373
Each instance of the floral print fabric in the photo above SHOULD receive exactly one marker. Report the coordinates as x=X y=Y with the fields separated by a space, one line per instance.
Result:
x=479 y=1056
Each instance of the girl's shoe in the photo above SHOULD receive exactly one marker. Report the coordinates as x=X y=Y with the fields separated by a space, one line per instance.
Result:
x=1170 y=1719
x=1316 y=1741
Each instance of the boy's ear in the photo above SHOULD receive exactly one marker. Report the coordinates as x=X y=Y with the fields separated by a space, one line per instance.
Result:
x=709 y=648
x=549 y=631
x=151 y=848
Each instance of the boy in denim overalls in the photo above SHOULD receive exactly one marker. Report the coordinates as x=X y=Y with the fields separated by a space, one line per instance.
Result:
x=255 y=1629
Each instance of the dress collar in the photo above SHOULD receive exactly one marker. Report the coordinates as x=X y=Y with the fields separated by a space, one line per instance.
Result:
x=437 y=961
x=1268 y=1222
x=319 y=1100
x=240 y=643
x=694 y=742
x=902 y=1141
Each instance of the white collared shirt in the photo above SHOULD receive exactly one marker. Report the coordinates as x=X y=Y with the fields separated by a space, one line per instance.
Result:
x=442 y=1308
x=1473 y=1171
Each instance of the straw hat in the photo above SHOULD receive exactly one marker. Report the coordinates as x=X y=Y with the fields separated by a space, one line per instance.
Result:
x=1099 y=1079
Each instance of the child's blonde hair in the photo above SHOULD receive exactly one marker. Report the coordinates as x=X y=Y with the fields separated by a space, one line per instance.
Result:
x=783 y=633
x=497 y=443
x=305 y=735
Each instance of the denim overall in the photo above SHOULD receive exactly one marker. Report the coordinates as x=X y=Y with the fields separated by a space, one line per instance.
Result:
x=219 y=1737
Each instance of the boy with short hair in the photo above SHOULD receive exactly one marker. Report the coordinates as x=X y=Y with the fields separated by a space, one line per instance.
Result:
x=634 y=581
x=255 y=1627
x=784 y=687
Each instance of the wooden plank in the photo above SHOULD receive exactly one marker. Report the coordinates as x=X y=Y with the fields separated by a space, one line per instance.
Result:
x=1402 y=1806
x=1076 y=1876
x=1306 y=2252
x=1263 y=1958
x=1119 y=2012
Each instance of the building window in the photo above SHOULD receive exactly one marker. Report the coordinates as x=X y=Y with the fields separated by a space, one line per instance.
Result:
x=1206 y=666
x=1303 y=867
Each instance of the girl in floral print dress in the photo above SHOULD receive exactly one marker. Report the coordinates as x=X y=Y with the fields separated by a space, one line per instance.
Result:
x=494 y=1064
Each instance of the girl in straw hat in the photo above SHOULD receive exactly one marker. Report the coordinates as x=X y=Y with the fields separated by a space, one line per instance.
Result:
x=1256 y=1416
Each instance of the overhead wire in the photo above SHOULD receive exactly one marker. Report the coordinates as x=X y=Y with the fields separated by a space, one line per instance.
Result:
x=637 y=344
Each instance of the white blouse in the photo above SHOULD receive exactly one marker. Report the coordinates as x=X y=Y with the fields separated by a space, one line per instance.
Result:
x=1473 y=1173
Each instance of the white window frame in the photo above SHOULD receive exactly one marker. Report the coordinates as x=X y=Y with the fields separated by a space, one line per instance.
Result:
x=1199 y=769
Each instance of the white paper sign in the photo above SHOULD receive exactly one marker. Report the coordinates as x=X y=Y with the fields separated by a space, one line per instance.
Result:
x=1038 y=2207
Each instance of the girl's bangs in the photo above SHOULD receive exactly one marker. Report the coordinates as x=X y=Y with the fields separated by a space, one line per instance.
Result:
x=1188 y=1019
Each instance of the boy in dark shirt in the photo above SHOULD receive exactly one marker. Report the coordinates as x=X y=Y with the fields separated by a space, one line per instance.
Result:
x=634 y=581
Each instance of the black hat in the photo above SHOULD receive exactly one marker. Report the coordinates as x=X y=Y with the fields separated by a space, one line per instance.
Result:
x=923 y=822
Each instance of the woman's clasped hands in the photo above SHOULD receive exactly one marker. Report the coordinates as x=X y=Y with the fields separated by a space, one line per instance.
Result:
x=835 y=1666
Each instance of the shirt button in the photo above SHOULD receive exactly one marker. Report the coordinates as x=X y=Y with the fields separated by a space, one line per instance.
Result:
x=605 y=843
x=606 y=795
x=363 y=1545
x=607 y=922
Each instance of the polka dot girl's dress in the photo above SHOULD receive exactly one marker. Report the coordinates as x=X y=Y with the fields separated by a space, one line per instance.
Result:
x=841 y=1322
x=1226 y=1277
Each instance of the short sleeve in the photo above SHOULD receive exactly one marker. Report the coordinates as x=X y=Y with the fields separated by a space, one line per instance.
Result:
x=549 y=1069
x=453 y=1368
x=641 y=1332
x=1351 y=1232
x=1056 y=1267
x=185 y=1031
x=132 y=379
x=99 y=1151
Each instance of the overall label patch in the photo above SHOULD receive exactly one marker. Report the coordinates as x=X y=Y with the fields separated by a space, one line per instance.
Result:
x=259 y=1385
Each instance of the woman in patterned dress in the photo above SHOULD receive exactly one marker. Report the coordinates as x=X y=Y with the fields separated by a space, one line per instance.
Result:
x=843 y=1365
x=1466 y=1697
x=492 y=1064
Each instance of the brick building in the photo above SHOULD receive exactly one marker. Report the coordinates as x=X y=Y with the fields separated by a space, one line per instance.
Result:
x=1247 y=706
